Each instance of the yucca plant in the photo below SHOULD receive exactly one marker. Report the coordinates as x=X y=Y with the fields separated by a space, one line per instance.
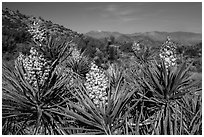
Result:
x=78 y=63
x=107 y=118
x=143 y=54
x=167 y=86
x=33 y=110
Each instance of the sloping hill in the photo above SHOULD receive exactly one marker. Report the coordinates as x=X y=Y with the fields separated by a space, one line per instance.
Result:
x=18 y=32
x=14 y=20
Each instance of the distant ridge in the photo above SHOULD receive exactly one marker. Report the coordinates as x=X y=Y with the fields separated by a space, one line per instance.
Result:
x=14 y=20
x=185 y=38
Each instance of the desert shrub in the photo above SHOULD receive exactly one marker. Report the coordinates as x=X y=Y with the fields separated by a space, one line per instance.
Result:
x=126 y=47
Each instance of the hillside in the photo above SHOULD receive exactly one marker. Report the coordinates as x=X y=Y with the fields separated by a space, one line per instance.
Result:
x=20 y=32
x=17 y=27
x=24 y=21
x=15 y=22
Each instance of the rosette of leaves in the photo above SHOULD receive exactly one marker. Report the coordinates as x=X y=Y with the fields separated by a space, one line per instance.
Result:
x=110 y=118
x=38 y=31
x=78 y=63
x=26 y=110
x=167 y=88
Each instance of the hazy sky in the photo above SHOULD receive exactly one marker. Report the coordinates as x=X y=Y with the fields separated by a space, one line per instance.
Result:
x=122 y=17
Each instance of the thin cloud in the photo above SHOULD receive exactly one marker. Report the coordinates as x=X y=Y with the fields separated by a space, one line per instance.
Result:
x=111 y=8
x=116 y=11
x=119 y=12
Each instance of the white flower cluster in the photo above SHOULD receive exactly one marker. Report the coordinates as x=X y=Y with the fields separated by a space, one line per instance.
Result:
x=37 y=31
x=37 y=68
x=139 y=48
x=136 y=46
x=140 y=51
x=96 y=84
x=168 y=53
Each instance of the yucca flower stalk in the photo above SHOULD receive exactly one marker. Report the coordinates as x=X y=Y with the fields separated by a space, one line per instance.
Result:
x=36 y=68
x=38 y=32
x=96 y=85
x=168 y=53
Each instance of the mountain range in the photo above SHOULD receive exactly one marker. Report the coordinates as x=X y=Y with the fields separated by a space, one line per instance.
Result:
x=16 y=36
x=184 y=38
x=14 y=20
